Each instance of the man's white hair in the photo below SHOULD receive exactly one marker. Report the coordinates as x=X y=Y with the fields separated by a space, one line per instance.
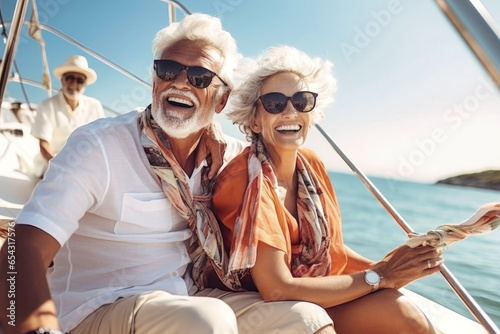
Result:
x=201 y=27
x=316 y=74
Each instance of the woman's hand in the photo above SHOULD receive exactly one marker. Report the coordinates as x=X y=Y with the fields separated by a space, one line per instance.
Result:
x=404 y=265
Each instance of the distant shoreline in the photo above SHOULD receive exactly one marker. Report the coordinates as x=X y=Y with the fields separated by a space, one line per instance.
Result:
x=489 y=179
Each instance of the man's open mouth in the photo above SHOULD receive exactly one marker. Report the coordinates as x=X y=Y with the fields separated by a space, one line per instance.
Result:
x=180 y=102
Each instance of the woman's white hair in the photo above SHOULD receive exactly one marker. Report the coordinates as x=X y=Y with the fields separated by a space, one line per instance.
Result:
x=201 y=27
x=316 y=74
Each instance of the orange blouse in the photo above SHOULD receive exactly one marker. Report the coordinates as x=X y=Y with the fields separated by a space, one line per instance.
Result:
x=276 y=227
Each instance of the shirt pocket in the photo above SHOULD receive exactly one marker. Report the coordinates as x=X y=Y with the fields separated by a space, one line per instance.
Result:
x=144 y=213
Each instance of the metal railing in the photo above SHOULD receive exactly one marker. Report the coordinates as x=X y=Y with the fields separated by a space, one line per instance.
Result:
x=478 y=29
x=5 y=79
x=10 y=48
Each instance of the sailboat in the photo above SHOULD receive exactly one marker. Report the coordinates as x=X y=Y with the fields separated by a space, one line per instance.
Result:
x=17 y=146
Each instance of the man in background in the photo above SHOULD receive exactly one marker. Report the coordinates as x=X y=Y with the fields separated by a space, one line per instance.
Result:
x=59 y=115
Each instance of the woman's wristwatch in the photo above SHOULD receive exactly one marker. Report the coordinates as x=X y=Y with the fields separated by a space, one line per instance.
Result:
x=372 y=278
x=45 y=331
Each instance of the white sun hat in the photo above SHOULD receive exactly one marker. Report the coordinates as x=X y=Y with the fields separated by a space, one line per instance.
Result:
x=76 y=64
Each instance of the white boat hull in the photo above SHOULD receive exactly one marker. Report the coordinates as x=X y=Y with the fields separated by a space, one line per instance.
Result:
x=443 y=318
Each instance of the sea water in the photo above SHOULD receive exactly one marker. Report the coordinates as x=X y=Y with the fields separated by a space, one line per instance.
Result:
x=372 y=232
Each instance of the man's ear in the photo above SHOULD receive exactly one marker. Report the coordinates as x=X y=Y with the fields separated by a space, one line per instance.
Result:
x=221 y=103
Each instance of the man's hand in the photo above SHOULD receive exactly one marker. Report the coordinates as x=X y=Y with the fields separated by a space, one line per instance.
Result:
x=24 y=259
x=46 y=150
x=212 y=143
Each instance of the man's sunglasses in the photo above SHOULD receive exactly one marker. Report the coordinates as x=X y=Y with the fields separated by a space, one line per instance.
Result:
x=274 y=103
x=71 y=78
x=197 y=76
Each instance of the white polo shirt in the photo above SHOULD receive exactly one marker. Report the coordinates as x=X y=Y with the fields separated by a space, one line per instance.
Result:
x=119 y=233
x=55 y=121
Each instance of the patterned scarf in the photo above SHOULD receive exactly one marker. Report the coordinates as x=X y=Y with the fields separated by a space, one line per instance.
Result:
x=311 y=257
x=205 y=245
x=485 y=220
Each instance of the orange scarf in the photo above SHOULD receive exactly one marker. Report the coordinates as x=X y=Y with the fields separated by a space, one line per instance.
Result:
x=311 y=257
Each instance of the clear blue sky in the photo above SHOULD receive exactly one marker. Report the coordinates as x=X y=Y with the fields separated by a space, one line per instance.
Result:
x=412 y=102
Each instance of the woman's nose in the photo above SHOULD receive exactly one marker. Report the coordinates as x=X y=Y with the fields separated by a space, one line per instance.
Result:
x=290 y=110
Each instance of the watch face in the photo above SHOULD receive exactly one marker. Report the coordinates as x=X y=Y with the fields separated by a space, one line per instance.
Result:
x=372 y=277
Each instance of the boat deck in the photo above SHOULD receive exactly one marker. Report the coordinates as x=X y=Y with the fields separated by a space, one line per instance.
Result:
x=443 y=318
x=16 y=156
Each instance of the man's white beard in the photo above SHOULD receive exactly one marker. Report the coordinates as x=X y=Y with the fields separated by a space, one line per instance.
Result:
x=75 y=96
x=174 y=124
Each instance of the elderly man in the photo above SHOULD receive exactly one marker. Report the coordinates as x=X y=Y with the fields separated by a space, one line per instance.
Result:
x=59 y=115
x=122 y=214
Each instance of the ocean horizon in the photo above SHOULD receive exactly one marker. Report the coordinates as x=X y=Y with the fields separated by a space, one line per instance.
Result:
x=371 y=231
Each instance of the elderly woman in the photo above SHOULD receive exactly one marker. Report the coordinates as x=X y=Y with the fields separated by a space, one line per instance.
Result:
x=279 y=213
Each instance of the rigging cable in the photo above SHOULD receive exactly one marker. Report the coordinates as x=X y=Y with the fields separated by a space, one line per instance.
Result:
x=4 y=31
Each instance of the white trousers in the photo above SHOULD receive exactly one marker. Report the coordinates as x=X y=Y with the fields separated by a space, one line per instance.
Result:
x=209 y=311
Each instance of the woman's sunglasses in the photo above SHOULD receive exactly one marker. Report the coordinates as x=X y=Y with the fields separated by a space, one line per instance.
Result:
x=274 y=103
x=197 y=76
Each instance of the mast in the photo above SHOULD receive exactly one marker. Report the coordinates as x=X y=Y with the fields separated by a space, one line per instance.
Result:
x=10 y=49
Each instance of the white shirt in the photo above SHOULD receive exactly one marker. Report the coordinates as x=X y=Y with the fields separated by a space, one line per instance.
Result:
x=120 y=235
x=55 y=121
